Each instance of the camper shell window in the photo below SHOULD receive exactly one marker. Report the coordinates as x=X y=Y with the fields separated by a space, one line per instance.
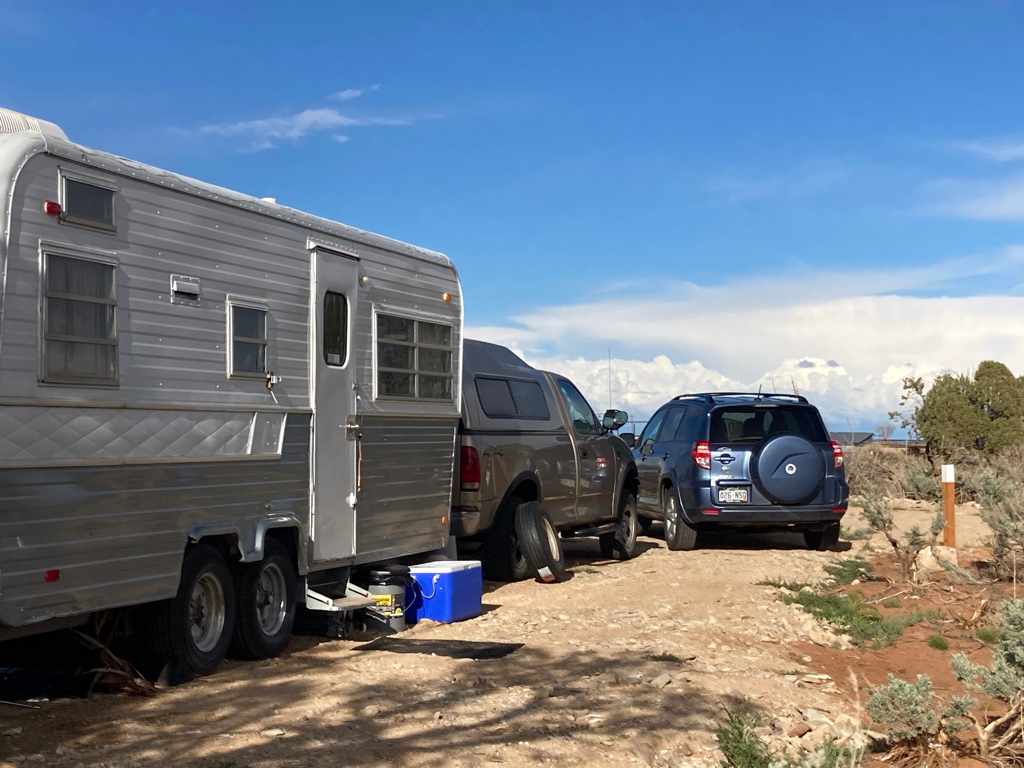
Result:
x=79 y=320
x=414 y=358
x=87 y=202
x=511 y=399
x=247 y=339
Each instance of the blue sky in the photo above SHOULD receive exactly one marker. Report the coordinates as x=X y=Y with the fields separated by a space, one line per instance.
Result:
x=743 y=190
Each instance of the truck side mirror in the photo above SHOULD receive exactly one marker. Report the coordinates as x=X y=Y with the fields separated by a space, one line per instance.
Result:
x=614 y=419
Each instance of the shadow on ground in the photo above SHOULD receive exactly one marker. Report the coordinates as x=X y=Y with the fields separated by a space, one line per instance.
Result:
x=317 y=707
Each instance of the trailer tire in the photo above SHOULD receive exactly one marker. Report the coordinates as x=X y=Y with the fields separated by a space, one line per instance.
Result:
x=267 y=599
x=540 y=542
x=503 y=557
x=193 y=630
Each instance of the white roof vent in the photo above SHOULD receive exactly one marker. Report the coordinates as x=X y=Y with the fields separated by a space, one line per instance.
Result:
x=16 y=122
x=271 y=200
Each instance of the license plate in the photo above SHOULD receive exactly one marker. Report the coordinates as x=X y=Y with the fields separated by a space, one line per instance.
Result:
x=733 y=495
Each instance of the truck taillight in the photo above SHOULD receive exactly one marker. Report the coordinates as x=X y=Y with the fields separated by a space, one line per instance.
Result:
x=701 y=454
x=837 y=455
x=469 y=468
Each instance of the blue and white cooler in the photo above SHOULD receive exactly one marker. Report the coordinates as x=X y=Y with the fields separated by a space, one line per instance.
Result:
x=445 y=591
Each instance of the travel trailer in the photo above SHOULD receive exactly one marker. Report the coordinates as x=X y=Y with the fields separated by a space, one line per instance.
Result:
x=210 y=403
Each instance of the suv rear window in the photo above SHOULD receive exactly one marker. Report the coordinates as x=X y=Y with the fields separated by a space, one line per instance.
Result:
x=749 y=424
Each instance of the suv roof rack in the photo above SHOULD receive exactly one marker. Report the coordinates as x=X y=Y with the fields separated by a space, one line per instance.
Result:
x=711 y=397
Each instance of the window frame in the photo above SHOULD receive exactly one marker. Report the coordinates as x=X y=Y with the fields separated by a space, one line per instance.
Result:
x=508 y=381
x=568 y=409
x=416 y=372
x=93 y=181
x=92 y=256
x=347 y=330
x=230 y=302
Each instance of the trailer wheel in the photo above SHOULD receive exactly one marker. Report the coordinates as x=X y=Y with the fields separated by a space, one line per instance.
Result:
x=193 y=629
x=622 y=543
x=540 y=543
x=267 y=598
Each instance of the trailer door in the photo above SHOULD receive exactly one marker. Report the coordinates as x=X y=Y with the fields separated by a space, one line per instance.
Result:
x=335 y=288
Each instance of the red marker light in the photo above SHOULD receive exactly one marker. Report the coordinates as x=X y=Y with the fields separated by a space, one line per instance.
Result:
x=51 y=208
x=51 y=576
x=711 y=512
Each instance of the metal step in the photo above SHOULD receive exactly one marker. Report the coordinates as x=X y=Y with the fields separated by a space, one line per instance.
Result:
x=351 y=602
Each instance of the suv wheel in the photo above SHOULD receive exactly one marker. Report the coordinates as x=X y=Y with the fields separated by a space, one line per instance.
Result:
x=678 y=535
x=503 y=557
x=622 y=543
x=822 y=539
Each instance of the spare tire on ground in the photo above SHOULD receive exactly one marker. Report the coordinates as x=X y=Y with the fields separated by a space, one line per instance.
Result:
x=539 y=542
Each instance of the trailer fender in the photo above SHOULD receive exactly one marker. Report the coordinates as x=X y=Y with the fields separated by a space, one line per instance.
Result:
x=249 y=537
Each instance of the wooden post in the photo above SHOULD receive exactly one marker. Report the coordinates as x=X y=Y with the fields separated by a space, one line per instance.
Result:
x=949 y=504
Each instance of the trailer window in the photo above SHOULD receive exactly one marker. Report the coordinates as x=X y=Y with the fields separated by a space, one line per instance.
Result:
x=414 y=358
x=248 y=337
x=80 y=321
x=335 y=329
x=88 y=204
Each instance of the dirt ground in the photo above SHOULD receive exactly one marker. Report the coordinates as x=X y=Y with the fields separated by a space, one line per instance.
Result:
x=625 y=664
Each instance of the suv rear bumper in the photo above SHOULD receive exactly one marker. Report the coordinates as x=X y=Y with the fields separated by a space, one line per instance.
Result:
x=698 y=509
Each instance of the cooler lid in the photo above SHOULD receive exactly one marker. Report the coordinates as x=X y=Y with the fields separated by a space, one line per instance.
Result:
x=445 y=566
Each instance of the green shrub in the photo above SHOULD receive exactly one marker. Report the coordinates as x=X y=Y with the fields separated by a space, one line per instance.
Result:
x=849 y=570
x=906 y=709
x=938 y=642
x=1004 y=679
x=1005 y=516
x=742 y=747
x=851 y=615
x=988 y=635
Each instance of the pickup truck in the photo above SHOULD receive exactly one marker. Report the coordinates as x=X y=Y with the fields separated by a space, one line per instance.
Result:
x=530 y=436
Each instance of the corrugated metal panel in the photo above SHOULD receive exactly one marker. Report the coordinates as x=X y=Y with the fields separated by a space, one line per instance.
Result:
x=406 y=486
x=118 y=534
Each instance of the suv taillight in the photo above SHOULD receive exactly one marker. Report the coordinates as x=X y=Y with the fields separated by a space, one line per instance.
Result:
x=837 y=455
x=469 y=468
x=701 y=454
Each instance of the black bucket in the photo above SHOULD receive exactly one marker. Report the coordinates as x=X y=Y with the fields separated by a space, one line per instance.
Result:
x=387 y=588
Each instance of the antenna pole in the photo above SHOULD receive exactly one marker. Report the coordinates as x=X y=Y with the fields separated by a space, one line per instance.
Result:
x=609 y=378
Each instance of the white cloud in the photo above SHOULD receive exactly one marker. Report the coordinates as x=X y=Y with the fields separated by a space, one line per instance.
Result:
x=997 y=200
x=348 y=94
x=341 y=138
x=845 y=338
x=269 y=132
x=1001 y=150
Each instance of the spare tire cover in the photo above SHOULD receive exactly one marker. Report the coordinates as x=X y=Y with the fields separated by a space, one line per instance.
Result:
x=790 y=470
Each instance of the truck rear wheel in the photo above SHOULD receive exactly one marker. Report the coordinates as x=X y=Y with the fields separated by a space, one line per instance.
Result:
x=503 y=559
x=194 y=628
x=622 y=543
x=540 y=542
x=267 y=597
x=678 y=535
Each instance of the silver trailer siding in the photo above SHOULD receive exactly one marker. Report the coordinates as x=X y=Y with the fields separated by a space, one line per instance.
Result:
x=102 y=487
